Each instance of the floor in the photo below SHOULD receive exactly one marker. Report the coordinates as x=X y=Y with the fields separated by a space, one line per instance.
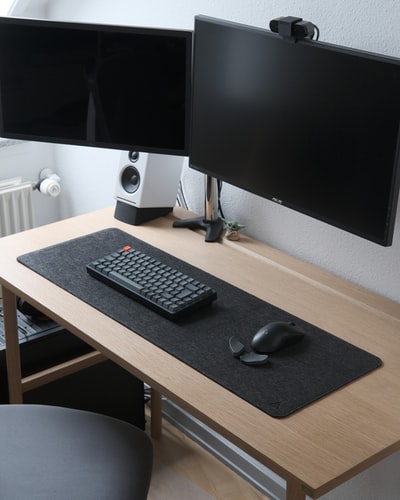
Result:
x=184 y=470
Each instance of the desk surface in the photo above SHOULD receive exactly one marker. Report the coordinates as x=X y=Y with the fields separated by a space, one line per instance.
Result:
x=317 y=448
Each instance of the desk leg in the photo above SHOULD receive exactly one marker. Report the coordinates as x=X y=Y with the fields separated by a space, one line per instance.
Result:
x=155 y=423
x=294 y=491
x=12 y=347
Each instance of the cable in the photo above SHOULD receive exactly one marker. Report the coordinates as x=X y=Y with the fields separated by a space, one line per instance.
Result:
x=316 y=32
x=220 y=183
x=181 y=198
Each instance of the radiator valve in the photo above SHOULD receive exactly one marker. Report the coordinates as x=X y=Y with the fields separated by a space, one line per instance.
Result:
x=49 y=183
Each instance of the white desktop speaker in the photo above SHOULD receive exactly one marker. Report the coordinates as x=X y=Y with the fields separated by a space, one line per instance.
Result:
x=147 y=186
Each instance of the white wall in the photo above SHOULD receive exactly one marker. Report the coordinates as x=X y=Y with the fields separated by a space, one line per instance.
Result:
x=89 y=175
x=88 y=178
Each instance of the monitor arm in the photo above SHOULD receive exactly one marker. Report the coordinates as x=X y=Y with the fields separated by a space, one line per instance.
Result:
x=211 y=222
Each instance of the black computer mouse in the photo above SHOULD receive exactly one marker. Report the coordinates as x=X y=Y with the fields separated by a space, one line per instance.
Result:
x=276 y=336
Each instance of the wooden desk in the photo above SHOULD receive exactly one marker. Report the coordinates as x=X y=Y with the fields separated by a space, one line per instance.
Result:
x=317 y=448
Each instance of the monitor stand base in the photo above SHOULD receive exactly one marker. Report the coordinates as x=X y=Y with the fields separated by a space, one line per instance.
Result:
x=213 y=228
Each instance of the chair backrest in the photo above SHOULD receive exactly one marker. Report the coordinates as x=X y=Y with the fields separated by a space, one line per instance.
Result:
x=59 y=453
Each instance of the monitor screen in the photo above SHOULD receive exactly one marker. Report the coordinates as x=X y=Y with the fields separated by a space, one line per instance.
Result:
x=95 y=85
x=311 y=126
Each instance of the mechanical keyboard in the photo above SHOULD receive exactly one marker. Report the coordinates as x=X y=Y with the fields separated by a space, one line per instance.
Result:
x=156 y=285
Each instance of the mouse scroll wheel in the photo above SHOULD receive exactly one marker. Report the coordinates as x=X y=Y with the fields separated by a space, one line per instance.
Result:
x=236 y=347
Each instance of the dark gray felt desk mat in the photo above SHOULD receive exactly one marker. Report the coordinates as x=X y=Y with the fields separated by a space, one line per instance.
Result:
x=292 y=379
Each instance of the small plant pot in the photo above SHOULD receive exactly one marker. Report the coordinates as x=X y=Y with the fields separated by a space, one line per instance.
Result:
x=232 y=235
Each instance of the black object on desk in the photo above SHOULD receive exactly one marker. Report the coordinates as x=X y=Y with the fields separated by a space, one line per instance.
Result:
x=151 y=282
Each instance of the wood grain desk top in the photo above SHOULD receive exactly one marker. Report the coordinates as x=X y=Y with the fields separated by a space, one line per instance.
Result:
x=319 y=447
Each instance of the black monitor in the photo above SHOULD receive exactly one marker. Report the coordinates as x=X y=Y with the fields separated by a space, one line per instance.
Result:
x=311 y=126
x=119 y=87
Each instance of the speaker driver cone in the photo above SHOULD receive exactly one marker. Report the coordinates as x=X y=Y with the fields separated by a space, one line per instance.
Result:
x=130 y=179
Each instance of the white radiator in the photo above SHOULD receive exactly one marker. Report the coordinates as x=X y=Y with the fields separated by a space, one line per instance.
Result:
x=16 y=212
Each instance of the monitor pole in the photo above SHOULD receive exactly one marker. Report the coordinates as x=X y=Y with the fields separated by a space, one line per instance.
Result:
x=211 y=221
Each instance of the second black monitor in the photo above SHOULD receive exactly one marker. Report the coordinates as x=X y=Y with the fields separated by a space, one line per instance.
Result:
x=311 y=126
x=95 y=85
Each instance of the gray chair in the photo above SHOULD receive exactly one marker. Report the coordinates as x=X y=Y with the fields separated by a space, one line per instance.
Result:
x=54 y=453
